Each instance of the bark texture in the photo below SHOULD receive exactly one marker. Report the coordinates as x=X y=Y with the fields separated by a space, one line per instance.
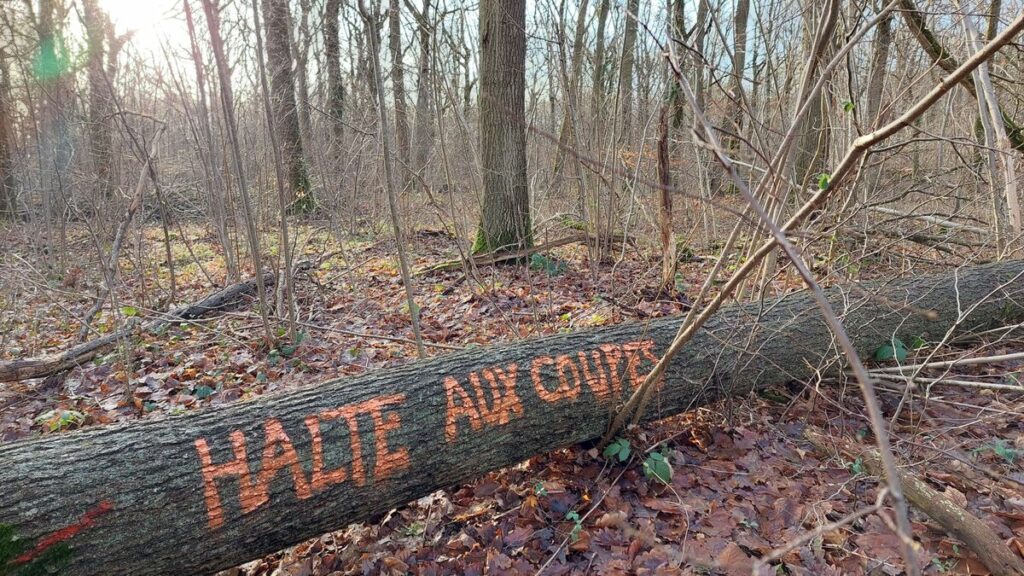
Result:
x=335 y=85
x=398 y=82
x=208 y=490
x=7 y=180
x=277 y=21
x=505 y=224
x=100 y=105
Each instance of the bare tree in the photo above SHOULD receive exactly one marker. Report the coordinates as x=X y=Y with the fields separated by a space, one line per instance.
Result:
x=277 y=21
x=335 y=84
x=398 y=82
x=626 y=66
x=423 y=133
x=227 y=100
x=97 y=24
x=505 y=223
x=8 y=199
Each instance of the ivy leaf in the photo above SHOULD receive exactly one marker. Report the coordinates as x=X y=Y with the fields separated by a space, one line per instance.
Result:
x=203 y=392
x=129 y=311
x=823 y=180
x=894 y=350
x=657 y=467
x=848 y=106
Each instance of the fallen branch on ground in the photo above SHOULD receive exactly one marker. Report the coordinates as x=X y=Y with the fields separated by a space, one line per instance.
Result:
x=491 y=258
x=953 y=518
x=46 y=365
x=230 y=484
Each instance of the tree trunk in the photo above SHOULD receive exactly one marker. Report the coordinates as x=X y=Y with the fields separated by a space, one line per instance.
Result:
x=573 y=89
x=8 y=206
x=626 y=67
x=277 y=23
x=423 y=133
x=505 y=223
x=211 y=489
x=598 y=93
x=398 y=84
x=100 y=141
x=739 y=63
x=335 y=85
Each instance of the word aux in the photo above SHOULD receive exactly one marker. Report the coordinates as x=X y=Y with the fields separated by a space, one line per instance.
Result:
x=490 y=397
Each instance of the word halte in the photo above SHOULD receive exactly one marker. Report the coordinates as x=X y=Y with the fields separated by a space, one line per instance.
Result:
x=279 y=455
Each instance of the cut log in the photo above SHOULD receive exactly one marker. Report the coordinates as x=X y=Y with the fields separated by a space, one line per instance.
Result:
x=46 y=365
x=211 y=489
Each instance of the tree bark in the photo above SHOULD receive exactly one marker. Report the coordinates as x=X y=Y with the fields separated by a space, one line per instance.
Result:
x=211 y=489
x=505 y=223
x=626 y=67
x=277 y=22
x=423 y=133
x=100 y=140
x=739 y=63
x=398 y=84
x=8 y=206
x=335 y=85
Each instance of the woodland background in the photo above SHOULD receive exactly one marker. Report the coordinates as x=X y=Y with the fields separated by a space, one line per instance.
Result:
x=419 y=182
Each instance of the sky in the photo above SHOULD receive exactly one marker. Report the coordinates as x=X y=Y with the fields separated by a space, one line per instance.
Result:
x=151 y=20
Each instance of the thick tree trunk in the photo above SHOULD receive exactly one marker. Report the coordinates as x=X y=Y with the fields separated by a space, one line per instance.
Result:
x=7 y=181
x=626 y=67
x=208 y=490
x=398 y=84
x=739 y=62
x=100 y=106
x=277 y=22
x=423 y=133
x=505 y=224
x=335 y=85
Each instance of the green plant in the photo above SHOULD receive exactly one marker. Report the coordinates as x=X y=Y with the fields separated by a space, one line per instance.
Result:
x=857 y=466
x=55 y=420
x=895 y=349
x=549 y=265
x=619 y=449
x=19 y=557
x=657 y=466
x=1000 y=448
x=574 y=517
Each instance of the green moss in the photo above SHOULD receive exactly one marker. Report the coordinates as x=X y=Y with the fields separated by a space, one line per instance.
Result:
x=53 y=560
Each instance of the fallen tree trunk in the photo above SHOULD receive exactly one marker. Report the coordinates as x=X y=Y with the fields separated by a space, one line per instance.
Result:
x=46 y=365
x=211 y=489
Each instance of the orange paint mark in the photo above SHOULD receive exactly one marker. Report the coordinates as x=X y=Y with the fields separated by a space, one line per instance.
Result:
x=348 y=413
x=568 y=390
x=538 y=380
x=459 y=405
x=613 y=355
x=321 y=479
x=503 y=402
x=597 y=379
x=239 y=467
x=278 y=454
x=387 y=462
x=635 y=351
x=86 y=521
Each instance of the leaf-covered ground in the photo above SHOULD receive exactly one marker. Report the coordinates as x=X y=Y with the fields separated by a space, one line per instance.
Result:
x=744 y=482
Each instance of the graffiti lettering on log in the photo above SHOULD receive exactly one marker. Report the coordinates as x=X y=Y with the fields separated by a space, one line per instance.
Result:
x=485 y=398
x=279 y=455
x=602 y=370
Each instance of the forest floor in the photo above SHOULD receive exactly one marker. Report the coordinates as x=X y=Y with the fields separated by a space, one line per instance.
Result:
x=745 y=480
